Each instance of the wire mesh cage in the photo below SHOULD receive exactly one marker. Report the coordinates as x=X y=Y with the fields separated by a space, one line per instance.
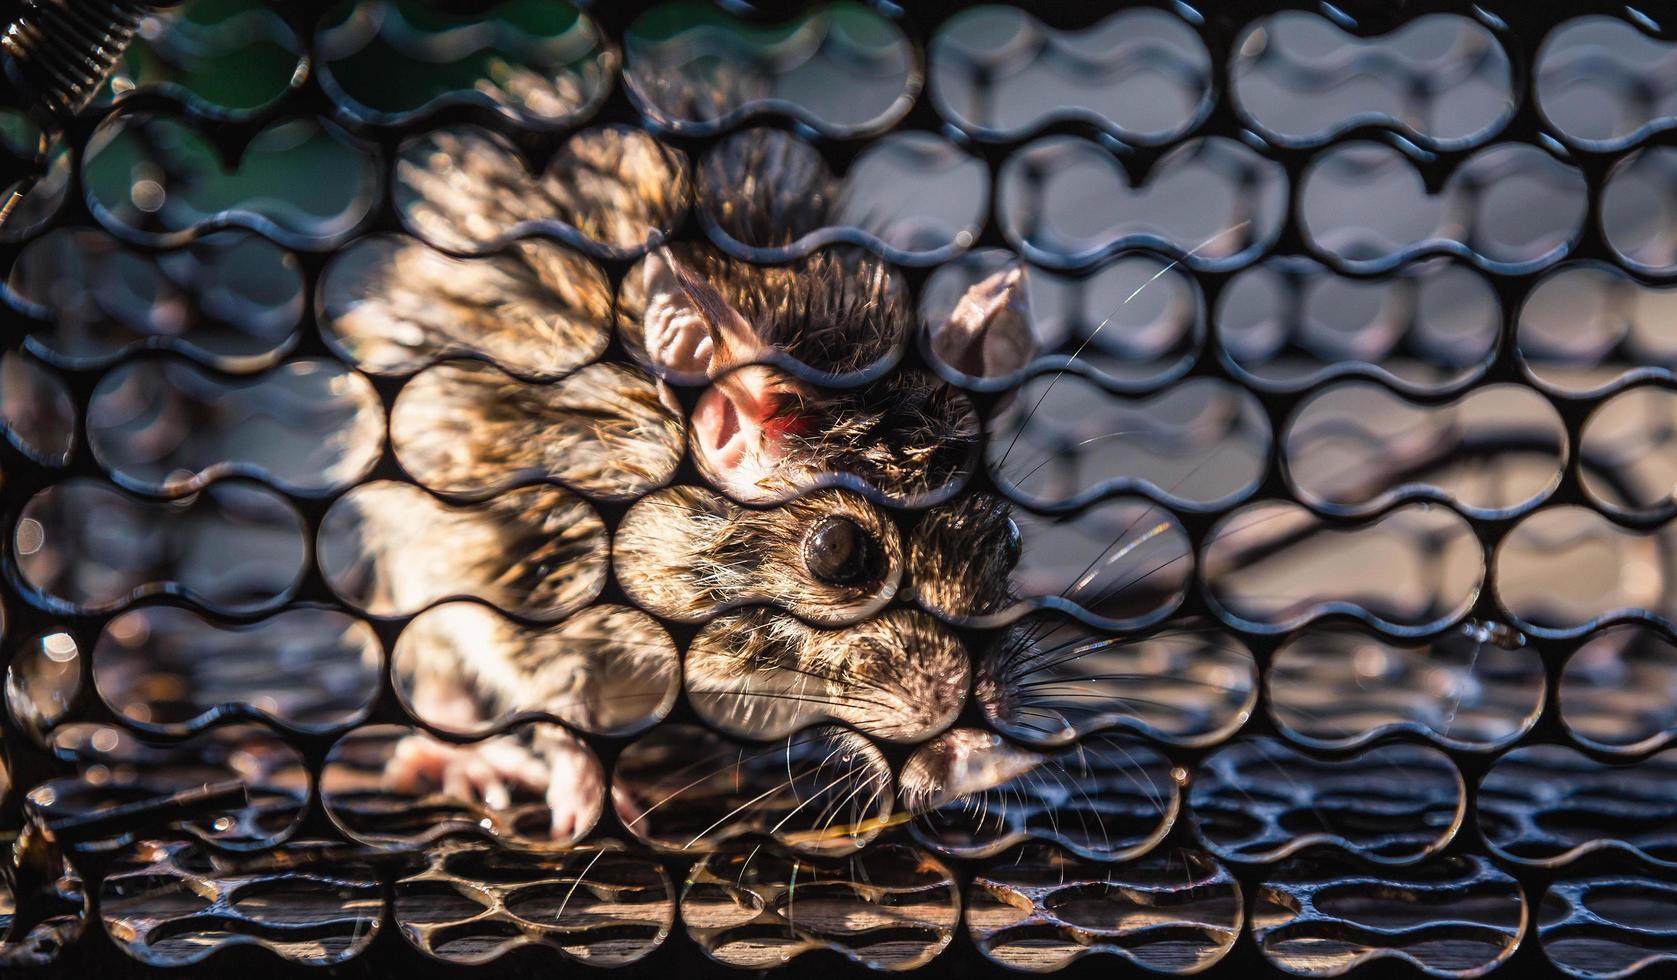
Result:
x=844 y=486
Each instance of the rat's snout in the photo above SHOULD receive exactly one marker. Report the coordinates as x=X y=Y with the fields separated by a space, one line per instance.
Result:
x=958 y=764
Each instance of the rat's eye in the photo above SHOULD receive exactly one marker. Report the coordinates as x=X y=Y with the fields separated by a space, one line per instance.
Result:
x=839 y=552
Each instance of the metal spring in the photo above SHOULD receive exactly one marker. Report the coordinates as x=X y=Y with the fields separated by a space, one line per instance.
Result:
x=58 y=52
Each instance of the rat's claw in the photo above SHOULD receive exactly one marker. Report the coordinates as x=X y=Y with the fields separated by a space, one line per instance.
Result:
x=455 y=782
x=516 y=763
x=478 y=780
x=416 y=762
x=575 y=789
x=628 y=811
x=491 y=772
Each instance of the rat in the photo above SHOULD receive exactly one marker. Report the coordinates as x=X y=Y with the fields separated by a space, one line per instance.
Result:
x=767 y=530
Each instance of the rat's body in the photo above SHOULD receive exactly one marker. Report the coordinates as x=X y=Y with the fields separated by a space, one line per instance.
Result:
x=830 y=557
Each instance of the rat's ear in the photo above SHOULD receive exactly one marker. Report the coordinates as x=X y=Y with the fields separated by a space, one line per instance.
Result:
x=989 y=333
x=740 y=428
x=690 y=328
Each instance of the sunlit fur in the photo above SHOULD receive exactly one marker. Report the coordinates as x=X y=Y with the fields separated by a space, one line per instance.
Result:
x=539 y=551
x=766 y=188
x=536 y=307
x=897 y=675
x=605 y=430
x=603 y=669
x=616 y=185
x=545 y=94
x=960 y=556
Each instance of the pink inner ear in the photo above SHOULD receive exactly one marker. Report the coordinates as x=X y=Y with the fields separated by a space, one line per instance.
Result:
x=737 y=430
x=989 y=334
x=728 y=428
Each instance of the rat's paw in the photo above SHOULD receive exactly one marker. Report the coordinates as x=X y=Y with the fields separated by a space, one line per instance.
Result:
x=576 y=789
x=417 y=764
x=489 y=773
x=447 y=704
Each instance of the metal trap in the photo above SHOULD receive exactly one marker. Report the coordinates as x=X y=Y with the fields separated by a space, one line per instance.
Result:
x=1294 y=595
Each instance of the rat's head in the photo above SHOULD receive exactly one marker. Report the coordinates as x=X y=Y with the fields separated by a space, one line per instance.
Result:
x=763 y=435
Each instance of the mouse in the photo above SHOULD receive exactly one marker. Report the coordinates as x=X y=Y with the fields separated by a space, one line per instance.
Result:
x=789 y=571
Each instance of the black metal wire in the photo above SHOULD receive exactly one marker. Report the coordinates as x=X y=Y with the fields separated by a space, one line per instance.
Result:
x=1519 y=25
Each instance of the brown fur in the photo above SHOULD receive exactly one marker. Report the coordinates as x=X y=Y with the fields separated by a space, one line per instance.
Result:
x=537 y=309
x=839 y=310
x=692 y=89
x=960 y=555
x=896 y=675
x=538 y=552
x=687 y=552
x=766 y=188
x=605 y=669
x=605 y=430
x=618 y=186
